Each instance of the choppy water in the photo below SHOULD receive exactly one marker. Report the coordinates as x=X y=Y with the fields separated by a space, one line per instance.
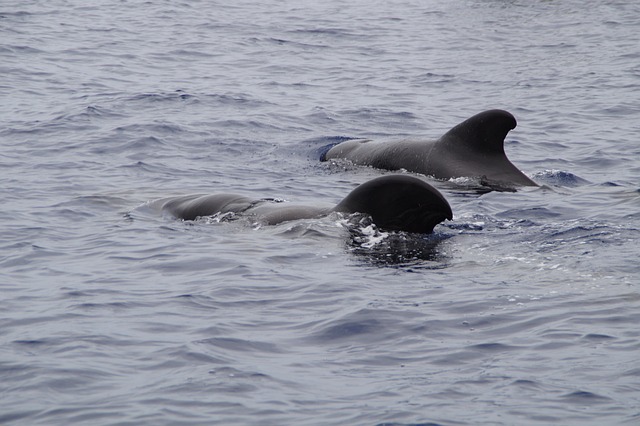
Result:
x=523 y=310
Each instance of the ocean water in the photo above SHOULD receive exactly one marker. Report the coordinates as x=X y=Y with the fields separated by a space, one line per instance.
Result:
x=522 y=310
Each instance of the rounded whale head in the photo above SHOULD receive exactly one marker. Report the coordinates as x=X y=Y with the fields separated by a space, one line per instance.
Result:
x=398 y=203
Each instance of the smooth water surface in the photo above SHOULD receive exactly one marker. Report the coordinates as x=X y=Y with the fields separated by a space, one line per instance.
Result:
x=522 y=310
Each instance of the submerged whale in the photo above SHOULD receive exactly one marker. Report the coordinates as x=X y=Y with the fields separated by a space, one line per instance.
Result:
x=473 y=148
x=395 y=203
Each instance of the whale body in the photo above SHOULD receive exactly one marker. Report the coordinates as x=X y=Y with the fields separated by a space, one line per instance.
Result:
x=473 y=148
x=394 y=202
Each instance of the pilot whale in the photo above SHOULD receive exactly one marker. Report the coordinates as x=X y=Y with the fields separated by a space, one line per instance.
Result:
x=394 y=202
x=473 y=148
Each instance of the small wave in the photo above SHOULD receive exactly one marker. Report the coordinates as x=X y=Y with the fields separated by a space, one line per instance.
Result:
x=583 y=232
x=409 y=424
x=178 y=95
x=530 y=214
x=364 y=233
x=466 y=186
x=334 y=32
x=142 y=166
x=362 y=325
x=160 y=128
x=597 y=337
x=239 y=345
x=559 y=178
x=492 y=347
x=21 y=49
x=282 y=42
x=349 y=329
x=585 y=397
x=394 y=249
x=220 y=217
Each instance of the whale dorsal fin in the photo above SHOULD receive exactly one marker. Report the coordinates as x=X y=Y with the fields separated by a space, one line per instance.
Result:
x=484 y=132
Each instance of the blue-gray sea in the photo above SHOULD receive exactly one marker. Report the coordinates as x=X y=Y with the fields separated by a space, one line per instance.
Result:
x=523 y=310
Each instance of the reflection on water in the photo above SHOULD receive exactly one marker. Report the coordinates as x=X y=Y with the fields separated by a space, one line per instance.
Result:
x=397 y=249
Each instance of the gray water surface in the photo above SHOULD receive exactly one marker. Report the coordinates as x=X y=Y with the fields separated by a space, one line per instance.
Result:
x=522 y=310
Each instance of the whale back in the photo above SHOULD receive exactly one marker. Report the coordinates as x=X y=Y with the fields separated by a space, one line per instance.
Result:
x=190 y=207
x=473 y=149
x=398 y=203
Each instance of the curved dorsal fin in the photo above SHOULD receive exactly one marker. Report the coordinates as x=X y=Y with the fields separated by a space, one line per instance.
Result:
x=484 y=132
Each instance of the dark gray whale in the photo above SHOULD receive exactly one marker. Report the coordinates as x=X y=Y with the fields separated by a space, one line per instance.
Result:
x=473 y=148
x=395 y=203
